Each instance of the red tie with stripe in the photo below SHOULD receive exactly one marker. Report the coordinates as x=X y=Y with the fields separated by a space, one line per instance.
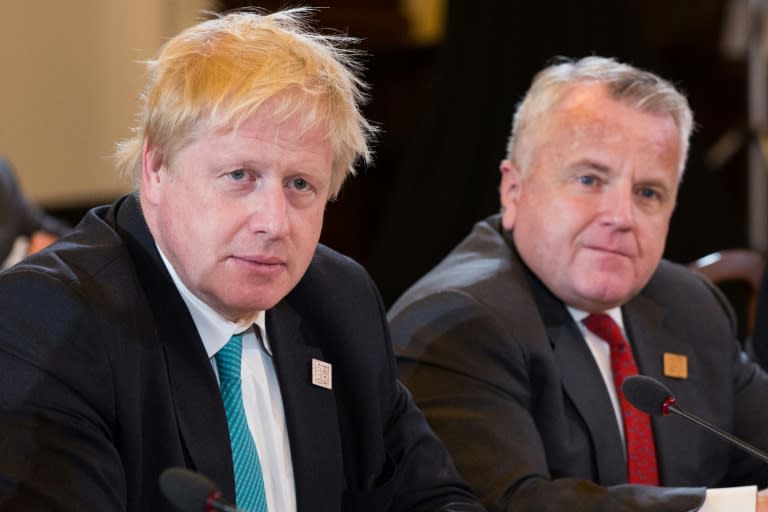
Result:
x=641 y=452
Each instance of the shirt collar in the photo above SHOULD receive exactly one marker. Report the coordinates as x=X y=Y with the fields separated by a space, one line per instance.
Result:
x=578 y=315
x=214 y=329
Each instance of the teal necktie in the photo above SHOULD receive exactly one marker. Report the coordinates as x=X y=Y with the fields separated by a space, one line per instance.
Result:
x=249 y=484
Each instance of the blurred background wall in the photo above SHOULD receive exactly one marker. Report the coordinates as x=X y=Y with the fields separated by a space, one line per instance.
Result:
x=70 y=78
x=445 y=76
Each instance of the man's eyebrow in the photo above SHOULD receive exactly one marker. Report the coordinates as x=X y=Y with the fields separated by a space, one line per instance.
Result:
x=590 y=164
x=654 y=182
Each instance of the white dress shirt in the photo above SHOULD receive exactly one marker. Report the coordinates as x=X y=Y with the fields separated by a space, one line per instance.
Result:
x=728 y=499
x=261 y=392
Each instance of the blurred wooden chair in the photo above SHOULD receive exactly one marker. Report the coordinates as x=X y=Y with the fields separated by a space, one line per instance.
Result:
x=743 y=266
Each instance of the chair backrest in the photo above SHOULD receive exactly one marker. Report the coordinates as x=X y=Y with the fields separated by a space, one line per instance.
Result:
x=743 y=266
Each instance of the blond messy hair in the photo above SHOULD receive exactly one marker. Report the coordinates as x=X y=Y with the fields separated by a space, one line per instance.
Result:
x=626 y=84
x=222 y=70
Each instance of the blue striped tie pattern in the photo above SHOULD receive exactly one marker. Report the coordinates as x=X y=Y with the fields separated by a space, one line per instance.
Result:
x=249 y=484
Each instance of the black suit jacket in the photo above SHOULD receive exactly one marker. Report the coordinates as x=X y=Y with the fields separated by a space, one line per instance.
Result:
x=105 y=383
x=507 y=381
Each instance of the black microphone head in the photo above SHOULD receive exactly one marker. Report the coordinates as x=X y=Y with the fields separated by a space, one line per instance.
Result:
x=186 y=489
x=647 y=394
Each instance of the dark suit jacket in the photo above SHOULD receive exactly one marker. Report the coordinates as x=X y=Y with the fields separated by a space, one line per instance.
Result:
x=758 y=342
x=105 y=383
x=506 y=380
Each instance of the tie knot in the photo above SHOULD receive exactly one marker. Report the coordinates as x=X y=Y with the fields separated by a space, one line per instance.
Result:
x=229 y=357
x=603 y=326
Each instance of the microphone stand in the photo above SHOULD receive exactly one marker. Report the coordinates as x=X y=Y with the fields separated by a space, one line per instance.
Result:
x=670 y=405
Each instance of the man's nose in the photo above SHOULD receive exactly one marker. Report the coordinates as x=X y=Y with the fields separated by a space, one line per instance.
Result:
x=270 y=210
x=619 y=207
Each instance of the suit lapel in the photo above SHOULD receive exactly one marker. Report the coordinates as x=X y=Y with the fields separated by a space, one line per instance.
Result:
x=195 y=392
x=644 y=323
x=310 y=413
x=199 y=409
x=583 y=384
x=650 y=338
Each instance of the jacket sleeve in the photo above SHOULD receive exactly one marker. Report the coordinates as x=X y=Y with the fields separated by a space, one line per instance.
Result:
x=425 y=478
x=56 y=451
x=758 y=342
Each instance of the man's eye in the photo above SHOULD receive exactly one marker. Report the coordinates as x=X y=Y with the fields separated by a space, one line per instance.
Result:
x=648 y=193
x=300 y=184
x=237 y=175
x=587 y=180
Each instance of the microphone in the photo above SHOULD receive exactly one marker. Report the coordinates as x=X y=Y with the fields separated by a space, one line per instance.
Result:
x=192 y=492
x=654 y=398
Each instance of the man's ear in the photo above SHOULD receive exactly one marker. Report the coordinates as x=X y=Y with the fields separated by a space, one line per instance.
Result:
x=151 y=165
x=509 y=192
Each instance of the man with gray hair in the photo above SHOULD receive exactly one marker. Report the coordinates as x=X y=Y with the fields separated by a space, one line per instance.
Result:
x=520 y=339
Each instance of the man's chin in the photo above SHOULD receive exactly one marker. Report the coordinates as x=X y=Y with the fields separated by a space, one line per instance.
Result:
x=601 y=298
x=242 y=305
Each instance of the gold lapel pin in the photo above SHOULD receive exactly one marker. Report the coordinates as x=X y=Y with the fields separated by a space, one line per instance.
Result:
x=675 y=365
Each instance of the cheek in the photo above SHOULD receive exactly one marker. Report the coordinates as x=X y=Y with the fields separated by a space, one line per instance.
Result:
x=313 y=228
x=552 y=229
x=201 y=227
x=654 y=236
x=305 y=230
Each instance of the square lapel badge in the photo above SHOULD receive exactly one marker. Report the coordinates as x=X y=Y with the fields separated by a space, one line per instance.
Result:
x=322 y=375
x=675 y=365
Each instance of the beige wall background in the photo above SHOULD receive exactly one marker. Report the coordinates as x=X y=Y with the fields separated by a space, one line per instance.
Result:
x=70 y=74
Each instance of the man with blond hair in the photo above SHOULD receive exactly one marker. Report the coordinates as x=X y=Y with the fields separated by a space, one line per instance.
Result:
x=197 y=322
x=522 y=336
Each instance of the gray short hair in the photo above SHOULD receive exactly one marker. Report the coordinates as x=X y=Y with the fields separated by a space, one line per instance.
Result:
x=627 y=84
